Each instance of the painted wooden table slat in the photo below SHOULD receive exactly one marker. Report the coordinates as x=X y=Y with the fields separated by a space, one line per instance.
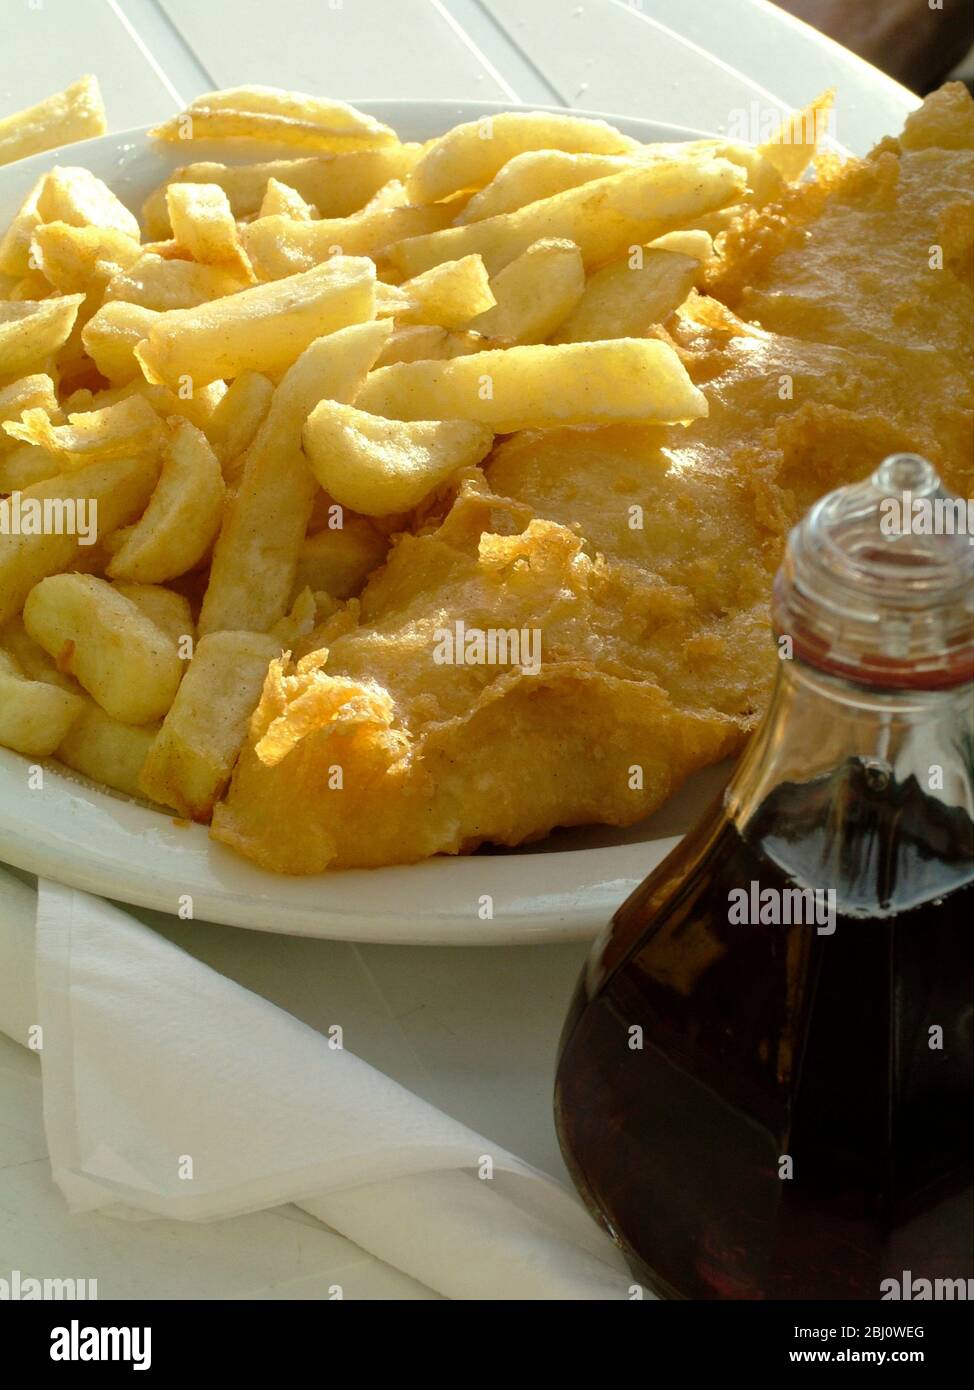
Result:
x=359 y=48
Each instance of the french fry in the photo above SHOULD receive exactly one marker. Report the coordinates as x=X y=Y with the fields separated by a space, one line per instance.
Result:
x=130 y=427
x=256 y=555
x=379 y=467
x=81 y=260
x=389 y=300
x=391 y=195
x=764 y=181
x=32 y=659
x=261 y=329
x=203 y=224
x=119 y=490
x=198 y=407
x=541 y=387
x=34 y=717
x=103 y=639
x=338 y=562
x=30 y=331
x=279 y=246
x=25 y=465
x=470 y=155
x=184 y=513
x=336 y=184
x=534 y=293
x=238 y=417
x=602 y=217
x=169 y=249
x=268 y=113
x=15 y=242
x=81 y=399
x=169 y=611
x=111 y=336
x=281 y=200
x=34 y=285
x=449 y=295
x=695 y=243
x=76 y=196
x=539 y=174
x=418 y=341
x=34 y=392
x=107 y=750
x=792 y=146
x=160 y=284
x=76 y=113
x=624 y=299
x=192 y=758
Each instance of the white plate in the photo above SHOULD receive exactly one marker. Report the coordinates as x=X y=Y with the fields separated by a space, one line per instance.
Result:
x=563 y=889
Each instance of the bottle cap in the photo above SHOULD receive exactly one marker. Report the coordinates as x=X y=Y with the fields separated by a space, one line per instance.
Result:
x=877 y=582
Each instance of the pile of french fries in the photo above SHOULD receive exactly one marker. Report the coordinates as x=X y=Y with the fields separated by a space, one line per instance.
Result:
x=254 y=387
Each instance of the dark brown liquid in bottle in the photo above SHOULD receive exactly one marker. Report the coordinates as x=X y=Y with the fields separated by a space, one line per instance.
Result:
x=760 y=1041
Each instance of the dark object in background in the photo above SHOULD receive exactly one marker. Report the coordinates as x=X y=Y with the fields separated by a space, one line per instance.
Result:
x=709 y=1045
x=917 y=45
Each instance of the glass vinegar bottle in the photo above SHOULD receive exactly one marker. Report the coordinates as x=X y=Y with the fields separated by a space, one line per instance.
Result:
x=764 y=1086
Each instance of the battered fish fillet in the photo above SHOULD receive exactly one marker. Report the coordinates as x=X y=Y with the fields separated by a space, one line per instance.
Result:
x=830 y=335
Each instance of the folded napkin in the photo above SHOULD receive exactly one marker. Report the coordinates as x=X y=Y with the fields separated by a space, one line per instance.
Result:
x=171 y=1091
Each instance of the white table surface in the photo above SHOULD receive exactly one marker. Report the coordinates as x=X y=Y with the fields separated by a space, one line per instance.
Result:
x=472 y=1030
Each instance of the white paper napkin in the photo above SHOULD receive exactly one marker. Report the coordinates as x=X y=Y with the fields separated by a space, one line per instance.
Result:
x=172 y=1091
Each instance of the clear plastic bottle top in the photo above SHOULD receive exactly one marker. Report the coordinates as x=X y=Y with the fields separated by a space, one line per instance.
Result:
x=877 y=583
